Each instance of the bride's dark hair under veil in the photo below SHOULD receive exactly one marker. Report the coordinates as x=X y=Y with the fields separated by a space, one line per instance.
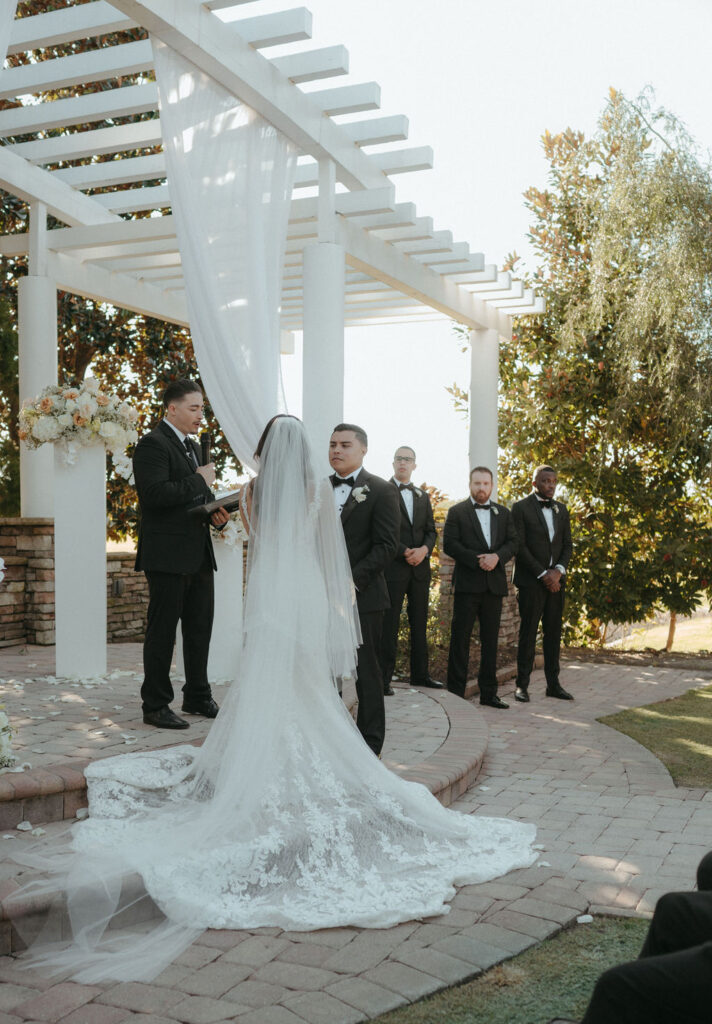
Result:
x=283 y=817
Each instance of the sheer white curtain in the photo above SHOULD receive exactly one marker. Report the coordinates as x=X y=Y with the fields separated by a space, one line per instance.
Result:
x=7 y=16
x=230 y=174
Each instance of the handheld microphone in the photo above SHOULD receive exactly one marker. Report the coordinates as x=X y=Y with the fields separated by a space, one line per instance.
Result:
x=205 y=443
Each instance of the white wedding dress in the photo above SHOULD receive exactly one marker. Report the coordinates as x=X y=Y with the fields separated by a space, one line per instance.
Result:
x=283 y=817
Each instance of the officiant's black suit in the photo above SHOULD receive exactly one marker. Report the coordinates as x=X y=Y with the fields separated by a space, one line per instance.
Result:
x=535 y=555
x=176 y=554
x=478 y=594
x=371 y=528
x=413 y=582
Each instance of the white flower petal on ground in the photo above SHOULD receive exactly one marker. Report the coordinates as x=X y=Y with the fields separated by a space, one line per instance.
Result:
x=82 y=813
x=38 y=832
x=24 y=826
x=584 y=919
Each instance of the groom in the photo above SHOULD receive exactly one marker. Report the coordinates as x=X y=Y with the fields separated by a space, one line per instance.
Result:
x=176 y=554
x=370 y=518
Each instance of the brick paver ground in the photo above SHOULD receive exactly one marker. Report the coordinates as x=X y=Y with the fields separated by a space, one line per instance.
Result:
x=614 y=834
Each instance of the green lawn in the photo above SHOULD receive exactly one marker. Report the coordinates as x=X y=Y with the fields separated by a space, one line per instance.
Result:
x=691 y=635
x=677 y=731
x=554 y=979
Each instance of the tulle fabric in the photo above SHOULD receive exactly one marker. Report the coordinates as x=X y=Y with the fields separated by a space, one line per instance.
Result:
x=283 y=817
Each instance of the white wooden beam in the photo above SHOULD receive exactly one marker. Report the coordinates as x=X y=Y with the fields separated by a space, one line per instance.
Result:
x=66 y=25
x=403 y=161
x=346 y=99
x=378 y=130
x=78 y=68
x=28 y=183
x=94 y=142
x=113 y=172
x=275 y=29
x=95 y=106
x=120 y=290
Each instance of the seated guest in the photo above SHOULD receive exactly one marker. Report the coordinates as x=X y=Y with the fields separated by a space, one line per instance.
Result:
x=671 y=981
x=408 y=575
x=479 y=534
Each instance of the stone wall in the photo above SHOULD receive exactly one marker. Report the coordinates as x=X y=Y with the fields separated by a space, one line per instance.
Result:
x=27 y=592
x=509 y=623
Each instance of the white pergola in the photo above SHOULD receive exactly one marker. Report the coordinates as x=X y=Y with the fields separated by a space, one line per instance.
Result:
x=354 y=254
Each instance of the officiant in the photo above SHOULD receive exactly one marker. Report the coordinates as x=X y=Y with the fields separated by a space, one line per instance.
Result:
x=176 y=554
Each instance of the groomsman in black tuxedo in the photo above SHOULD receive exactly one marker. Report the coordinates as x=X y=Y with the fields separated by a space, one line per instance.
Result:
x=368 y=507
x=409 y=575
x=544 y=530
x=176 y=554
x=479 y=534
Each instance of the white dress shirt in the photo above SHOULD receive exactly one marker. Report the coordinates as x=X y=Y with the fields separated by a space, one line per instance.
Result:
x=407 y=497
x=183 y=438
x=548 y=514
x=342 y=491
x=175 y=429
x=485 y=517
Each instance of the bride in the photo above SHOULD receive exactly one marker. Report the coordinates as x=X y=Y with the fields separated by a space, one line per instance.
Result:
x=283 y=817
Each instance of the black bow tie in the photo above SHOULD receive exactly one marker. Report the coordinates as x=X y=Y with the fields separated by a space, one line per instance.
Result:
x=406 y=487
x=545 y=502
x=336 y=481
x=485 y=508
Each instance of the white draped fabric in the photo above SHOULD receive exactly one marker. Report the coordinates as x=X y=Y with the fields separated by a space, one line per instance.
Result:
x=7 y=16
x=230 y=174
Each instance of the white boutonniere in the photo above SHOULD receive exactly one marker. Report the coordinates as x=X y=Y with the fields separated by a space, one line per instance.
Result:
x=359 y=493
x=555 y=508
x=495 y=510
x=417 y=491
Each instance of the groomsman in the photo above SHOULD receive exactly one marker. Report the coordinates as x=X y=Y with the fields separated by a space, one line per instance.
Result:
x=544 y=531
x=479 y=534
x=368 y=507
x=408 y=575
x=176 y=554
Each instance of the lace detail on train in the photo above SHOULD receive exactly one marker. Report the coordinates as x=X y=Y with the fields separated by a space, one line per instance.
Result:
x=318 y=853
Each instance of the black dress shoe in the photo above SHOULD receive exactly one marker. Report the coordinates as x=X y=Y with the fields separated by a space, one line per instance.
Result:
x=164 y=718
x=560 y=692
x=521 y=695
x=433 y=684
x=388 y=691
x=206 y=708
x=494 y=702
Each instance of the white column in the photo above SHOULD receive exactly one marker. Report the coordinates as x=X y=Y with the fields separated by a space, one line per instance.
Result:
x=324 y=278
x=37 y=358
x=80 y=562
x=484 y=381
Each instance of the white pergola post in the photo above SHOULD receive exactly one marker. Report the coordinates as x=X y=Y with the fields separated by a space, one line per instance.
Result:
x=324 y=278
x=37 y=357
x=484 y=381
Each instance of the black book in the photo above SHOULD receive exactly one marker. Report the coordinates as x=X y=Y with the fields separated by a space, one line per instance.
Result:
x=230 y=502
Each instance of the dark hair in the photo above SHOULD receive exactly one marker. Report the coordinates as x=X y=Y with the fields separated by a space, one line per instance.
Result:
x=179 y=389
x=358 y=431
x=544 y=469
x=263 y=439
x=481 y=469
x=404 y=446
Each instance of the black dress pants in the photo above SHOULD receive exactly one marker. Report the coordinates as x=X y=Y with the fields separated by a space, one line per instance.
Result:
x=371 y=714
x=486 y=608
x=187 y=598
x=417 y=591
x=672 y=979
x=537 y=604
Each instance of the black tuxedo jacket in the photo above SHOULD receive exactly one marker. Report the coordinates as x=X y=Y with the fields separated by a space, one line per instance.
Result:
x=169 y=540
x=371 y=531
x=464 y=540
x=413 y=535
x=536 y=552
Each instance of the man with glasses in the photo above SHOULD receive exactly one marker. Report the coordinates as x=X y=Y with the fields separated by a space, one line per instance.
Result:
x=408 y=575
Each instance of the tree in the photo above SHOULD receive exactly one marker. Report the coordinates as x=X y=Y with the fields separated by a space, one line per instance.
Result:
x=613 y=385
x=134 y=355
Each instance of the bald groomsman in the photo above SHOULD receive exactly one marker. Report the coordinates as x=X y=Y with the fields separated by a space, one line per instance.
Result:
x=408 y=575
x=544 y=531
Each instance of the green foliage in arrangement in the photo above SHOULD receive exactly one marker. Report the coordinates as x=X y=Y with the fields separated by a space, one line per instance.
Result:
x=133 y=355
x=613 y=385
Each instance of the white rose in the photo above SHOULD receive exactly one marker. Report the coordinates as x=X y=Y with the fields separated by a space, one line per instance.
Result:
x=70 y=405
x=87 y=406
x=45 y=428
x=109 y=430
x=91 y=384
x=65 y=420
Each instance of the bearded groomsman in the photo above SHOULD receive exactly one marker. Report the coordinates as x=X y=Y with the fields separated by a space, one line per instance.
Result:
x=544 y=531
x=479 y=534
x=368 y=507
x=408 y=575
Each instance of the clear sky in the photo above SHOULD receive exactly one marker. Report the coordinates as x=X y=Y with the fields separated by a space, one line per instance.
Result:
x=480 y=81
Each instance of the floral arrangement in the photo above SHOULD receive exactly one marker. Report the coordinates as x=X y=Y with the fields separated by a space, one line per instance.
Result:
x=232 y=533
x=76 y=417
x=359 y=493
x=7 y=758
